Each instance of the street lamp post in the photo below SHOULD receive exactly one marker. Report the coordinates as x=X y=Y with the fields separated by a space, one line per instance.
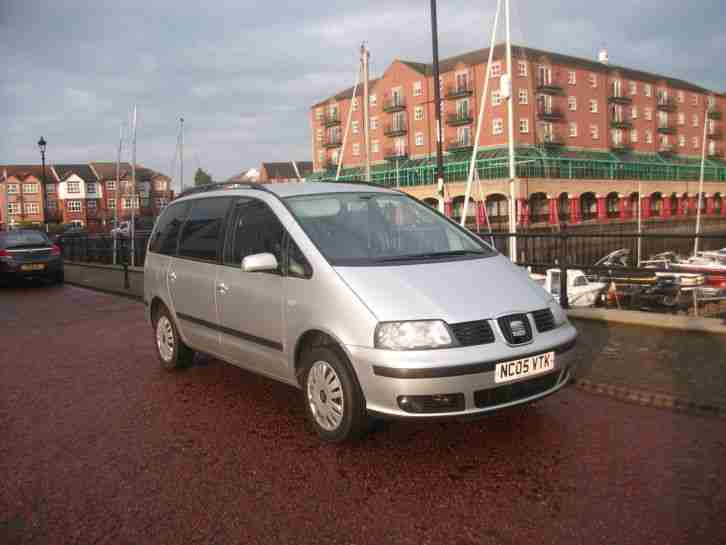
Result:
x=437 y=111
x=41 y=145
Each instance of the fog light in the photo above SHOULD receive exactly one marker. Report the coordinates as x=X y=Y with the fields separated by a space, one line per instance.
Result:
x=437 y=403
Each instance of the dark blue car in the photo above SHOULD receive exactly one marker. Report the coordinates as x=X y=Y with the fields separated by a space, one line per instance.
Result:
x=29 y=254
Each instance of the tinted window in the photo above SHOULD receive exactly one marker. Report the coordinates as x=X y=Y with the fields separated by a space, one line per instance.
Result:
x=200 y=235
x=163 y=241
x=254 y=229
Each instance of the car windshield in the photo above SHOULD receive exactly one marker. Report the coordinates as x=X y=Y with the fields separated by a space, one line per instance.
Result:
x=381 y=228
x=23 y=238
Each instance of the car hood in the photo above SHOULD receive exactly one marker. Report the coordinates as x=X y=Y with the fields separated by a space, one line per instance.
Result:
x=454 y=291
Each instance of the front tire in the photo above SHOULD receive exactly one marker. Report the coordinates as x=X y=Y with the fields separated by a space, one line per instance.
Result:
x=334 y=402
x=171 y=350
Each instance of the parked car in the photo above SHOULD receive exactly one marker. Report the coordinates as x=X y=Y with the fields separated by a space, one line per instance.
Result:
x=366 y=299
x=28 y=253
x=68 y=230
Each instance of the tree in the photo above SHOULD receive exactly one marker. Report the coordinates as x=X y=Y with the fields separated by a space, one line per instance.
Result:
x=202 y=178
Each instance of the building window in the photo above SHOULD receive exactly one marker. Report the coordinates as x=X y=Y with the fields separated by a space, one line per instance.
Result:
x=111 y=184
x=496 y=69
x=593 y=80
x=417 y=88
x=52 y=205
x=372 y=100
x=318 y=113
x=74 y=187
x=356 y=149
x=12 y=189
x=593 y=105
x=572 y=103
x=31 y=207
x=419 y=139
x=572 y=77
x=681 y=97
x=634 y=136
x=374 y=123
x=695 y=142
x=354 y=103
x=695 y=120
x=648 y=112
x=496 y=98
x=375 y=146
x=73 y=206
x=130 y=202
x=50 y=188
x=522 y=65
x=354 y=127
x=418 y=113
x=318 y=137
x=594 y=132
x=13 y=208
x=648 y=90
x=90 y=187
x=694 y=100
x=573 y=130
x=634 y=112
x=523 y=96
x=633 y=88
x=711 y=101
x=681 y=118
x=648 y=136
x=524 y=126
x=111 y=204
x=91 y=205
x=682 y=141
x=160 y=185
x=497 y=125
x=30 y=188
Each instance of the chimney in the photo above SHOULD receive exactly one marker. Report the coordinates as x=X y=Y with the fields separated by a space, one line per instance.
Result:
x=603 y=56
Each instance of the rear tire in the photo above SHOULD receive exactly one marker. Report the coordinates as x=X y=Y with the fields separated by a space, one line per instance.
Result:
x=334 y=402
x=172 y=352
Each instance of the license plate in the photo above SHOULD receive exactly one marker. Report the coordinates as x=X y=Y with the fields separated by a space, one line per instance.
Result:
x=34 y=267
x=525 y=367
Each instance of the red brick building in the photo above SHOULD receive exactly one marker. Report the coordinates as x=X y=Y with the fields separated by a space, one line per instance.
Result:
x=82 y=194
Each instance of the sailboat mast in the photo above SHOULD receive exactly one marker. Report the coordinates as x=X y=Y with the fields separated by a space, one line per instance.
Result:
x=510 y=123
x=339 y=166
x=700 y=183
x=181 y=153
x=640 y=221
x=118 y=189
x=365 y=56
x=134 y=194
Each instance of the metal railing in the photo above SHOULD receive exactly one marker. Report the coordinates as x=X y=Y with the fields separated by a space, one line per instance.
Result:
x=104 y=250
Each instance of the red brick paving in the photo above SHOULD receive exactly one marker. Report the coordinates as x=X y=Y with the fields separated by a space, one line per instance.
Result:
x=98 y=445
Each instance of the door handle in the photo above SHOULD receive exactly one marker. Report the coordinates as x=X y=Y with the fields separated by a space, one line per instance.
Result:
x=222 y=288
x=172 y=276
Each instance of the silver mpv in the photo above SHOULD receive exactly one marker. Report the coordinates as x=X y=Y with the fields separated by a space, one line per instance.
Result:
x=366 y=299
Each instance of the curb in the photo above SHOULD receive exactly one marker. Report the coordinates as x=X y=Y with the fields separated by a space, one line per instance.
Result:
x=649 y=399
x=127 y=295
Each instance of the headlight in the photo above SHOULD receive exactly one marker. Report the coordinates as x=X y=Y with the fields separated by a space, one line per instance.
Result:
x=412 y=335
x=558 y=313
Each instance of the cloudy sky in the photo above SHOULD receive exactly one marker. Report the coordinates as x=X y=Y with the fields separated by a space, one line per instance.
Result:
x=244 y=73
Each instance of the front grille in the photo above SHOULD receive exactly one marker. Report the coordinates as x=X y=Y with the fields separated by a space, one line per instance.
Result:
x=516 y=328
x=514 y=392
x=473 y=333
x=544 y=320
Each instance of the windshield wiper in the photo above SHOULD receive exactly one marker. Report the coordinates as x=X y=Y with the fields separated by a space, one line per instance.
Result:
x=432 y=255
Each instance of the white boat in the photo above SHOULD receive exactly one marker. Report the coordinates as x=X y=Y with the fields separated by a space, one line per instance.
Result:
x=581 y=292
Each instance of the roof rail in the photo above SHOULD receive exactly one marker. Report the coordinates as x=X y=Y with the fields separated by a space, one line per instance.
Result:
x=214 y=186
x=353 y=182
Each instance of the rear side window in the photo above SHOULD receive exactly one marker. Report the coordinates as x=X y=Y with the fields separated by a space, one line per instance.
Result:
x=163 y=241
x=254 y=229
x=200 y=235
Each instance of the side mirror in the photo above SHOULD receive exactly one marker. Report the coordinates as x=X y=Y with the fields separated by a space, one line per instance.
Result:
x=259 y=262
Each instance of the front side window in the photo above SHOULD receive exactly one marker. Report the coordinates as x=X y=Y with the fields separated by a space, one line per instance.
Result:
x=164 y=237
x=200 y=234
x=254 y=229
x=364 y=229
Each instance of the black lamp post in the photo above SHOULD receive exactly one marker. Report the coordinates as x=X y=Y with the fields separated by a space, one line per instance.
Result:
x=41 y=145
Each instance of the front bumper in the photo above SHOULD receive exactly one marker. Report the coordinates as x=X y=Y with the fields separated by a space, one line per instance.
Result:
x=385 y=376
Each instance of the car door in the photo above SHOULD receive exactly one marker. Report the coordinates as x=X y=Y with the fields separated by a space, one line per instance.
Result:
x=250 y=304
x=192 y=272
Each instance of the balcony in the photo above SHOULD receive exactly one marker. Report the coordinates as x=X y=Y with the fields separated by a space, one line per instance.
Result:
x=620 y=99
x=552 y=140
x=332 y=142
x=459 y=145
x=459 y=90
x=714 y=114
x=395 y=129
x=549 y=114
x=393 y=104
x=548 y=85
x=621 y=123
x=331 y=119
x=395 y=154
x=459 y=118
x=621 y=147
x=666 y=128
x=665 y=149
x=666 y=104
x=715 y=135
